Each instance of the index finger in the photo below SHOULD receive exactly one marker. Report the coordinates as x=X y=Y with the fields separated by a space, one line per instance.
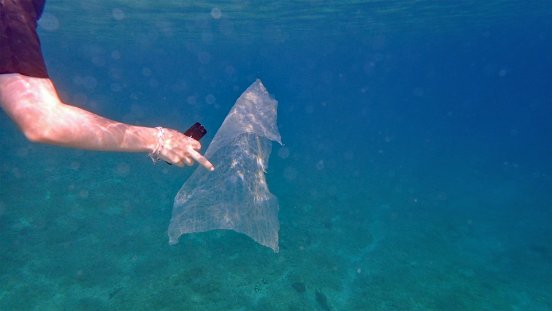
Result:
x=201 y=159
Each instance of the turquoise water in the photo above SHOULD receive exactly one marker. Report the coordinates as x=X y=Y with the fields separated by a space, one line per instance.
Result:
x=416 y=170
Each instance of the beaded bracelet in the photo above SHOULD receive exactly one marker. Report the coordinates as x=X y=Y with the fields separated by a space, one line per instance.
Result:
x=155 y=155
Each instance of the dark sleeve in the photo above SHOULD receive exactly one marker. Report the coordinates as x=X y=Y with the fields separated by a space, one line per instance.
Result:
x=19 y=44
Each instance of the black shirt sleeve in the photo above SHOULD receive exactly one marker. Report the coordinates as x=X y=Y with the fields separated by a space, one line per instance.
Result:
x=19 y=44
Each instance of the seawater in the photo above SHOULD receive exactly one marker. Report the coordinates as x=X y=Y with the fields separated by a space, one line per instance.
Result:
x=415 y=172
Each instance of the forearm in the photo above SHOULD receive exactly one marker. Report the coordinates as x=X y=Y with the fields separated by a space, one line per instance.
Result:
x=34 y=105
x=70 y=126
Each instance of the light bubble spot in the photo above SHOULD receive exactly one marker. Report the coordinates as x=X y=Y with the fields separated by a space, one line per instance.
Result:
x=283 y=152
x=80 y=98
x=349 y=155
x=84 y=194
x=116 y=54
x=204 y=57
x=191 y=100
x=48 y=22
x=90 y=82
x=230 y=70
x=116 y=87
x=118 y=14
x=320 y=165
x=210 y=99
x=75 y=165
x=216 y=13
x=290 y=173
x=122 y=169
x=97 y=60
x=146 y=72
x=22 y=152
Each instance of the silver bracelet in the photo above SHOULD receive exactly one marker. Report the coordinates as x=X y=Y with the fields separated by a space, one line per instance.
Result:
x=155 y=154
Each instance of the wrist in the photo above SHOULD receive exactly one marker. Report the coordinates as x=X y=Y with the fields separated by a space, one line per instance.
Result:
x=158 y=145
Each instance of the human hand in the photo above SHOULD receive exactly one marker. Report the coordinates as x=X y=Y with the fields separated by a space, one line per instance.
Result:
x=180 y=150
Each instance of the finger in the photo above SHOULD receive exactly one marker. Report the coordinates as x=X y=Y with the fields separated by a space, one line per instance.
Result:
x=179 y=162
x=201 y=160
x=188 y=161
x=172 y=158
x=183 y=161
x=195 y=144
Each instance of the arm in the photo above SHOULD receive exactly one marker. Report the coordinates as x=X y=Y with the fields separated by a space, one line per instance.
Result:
x=34 y=105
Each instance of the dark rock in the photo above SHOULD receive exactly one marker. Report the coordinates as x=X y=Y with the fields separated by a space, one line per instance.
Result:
x=299 y=287
x=322 y=301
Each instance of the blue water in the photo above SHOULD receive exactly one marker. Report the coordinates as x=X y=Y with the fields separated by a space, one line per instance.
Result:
x=416 y=170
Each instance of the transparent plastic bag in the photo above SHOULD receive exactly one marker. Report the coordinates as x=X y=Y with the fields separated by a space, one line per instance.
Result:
x=235 y=196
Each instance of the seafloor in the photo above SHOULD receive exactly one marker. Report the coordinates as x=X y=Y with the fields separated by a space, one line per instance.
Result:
x=87 y=231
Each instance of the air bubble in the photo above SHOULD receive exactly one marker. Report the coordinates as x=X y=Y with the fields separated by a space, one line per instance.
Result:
x=48 y=22
x=118 y=14
x=216 y=13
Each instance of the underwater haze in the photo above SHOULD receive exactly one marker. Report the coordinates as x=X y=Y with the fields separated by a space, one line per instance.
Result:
x=415 y=171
